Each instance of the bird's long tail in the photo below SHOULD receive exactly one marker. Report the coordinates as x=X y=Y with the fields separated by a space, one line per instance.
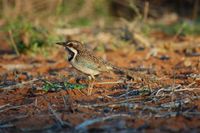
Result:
x=130 y=74
x=123 y=71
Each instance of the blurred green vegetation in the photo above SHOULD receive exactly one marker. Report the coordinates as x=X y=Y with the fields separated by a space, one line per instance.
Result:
x=31 y=25
x=182 y=27
x=52 y=87
x=26 y=35
x=80 y=22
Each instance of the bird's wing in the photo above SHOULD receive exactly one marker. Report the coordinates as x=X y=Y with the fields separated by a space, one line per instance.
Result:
x=94 y=63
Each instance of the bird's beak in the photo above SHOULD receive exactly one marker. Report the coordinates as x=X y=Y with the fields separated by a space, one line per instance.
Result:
x=61 y=43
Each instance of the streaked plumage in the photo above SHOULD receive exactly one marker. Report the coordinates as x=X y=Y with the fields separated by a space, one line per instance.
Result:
x=85 y=61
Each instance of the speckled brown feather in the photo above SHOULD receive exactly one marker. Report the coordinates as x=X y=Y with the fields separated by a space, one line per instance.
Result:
x=86 y=59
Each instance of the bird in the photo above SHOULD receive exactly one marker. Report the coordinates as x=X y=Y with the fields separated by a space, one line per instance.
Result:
x=86 y=62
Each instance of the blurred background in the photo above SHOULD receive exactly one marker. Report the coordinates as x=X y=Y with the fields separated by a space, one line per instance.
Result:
x=31 y=26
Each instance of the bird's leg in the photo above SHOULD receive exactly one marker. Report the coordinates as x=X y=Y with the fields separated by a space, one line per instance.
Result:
x=91 y=84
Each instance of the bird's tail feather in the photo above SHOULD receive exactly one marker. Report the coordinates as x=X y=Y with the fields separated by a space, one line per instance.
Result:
x=130 y=74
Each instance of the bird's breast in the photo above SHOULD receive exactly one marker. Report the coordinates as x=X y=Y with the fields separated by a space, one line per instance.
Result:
x=83 y=68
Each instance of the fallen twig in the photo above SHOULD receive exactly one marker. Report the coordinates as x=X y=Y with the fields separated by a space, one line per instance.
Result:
x=175 y=89
x=11 y=67
x=87 y=123
x=171 y=114
x=110 y=103
x=174 y=114
x=19 y=85
x=133 y=93
x=60 y=121
x=13 y=42
x=176 y=104
x=187 y=89
x=65 y=98
x=13 y=107
x=114 y=82
x=6 y=126
x=169 y=89
x=5 y=105
x=9 y=120
x=35 y=129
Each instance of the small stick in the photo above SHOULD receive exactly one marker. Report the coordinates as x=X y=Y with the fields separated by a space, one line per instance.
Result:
x=13 y=107
x=36 y=102
x=5 y=105
x=179 y=31
x=87 y=123
x=175 y=104
x=109 y=103
x=168 y=89
x=146 y=11
x=174 y=114
x=114 y=82
x=195 y=9
x=13 y=118
x=187 y=89
x=175 y=90
x=13 y=43
x=191 y=84
x=65 y=101
x=20 y=84
x=6 y=126
x=60 y=121
x=56 y=116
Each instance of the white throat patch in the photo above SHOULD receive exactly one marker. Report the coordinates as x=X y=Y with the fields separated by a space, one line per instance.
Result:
x=74 y=51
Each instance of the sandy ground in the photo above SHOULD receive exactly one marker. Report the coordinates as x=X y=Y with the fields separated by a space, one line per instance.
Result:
x=167 y=100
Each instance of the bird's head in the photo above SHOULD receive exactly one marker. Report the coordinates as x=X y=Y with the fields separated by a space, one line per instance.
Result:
x=72 y=46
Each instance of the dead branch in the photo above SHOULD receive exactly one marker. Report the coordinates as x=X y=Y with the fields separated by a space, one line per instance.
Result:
x=33 y=129
x=11 y=67
x=14 y=118
x=87 y=123
x=110 y=103
x=20 y=85
x=60 y=121
x=13 y=43
x=171 y=114
x=176 y=104
x=187 y=89
x=114 y=82
x=6 y=126
x=175 y=90
x=13 y=107
x=174 y=114
x=3 y=106
x=167 y=89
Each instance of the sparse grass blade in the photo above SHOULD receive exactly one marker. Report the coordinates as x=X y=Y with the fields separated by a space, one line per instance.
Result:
x=57 y=86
